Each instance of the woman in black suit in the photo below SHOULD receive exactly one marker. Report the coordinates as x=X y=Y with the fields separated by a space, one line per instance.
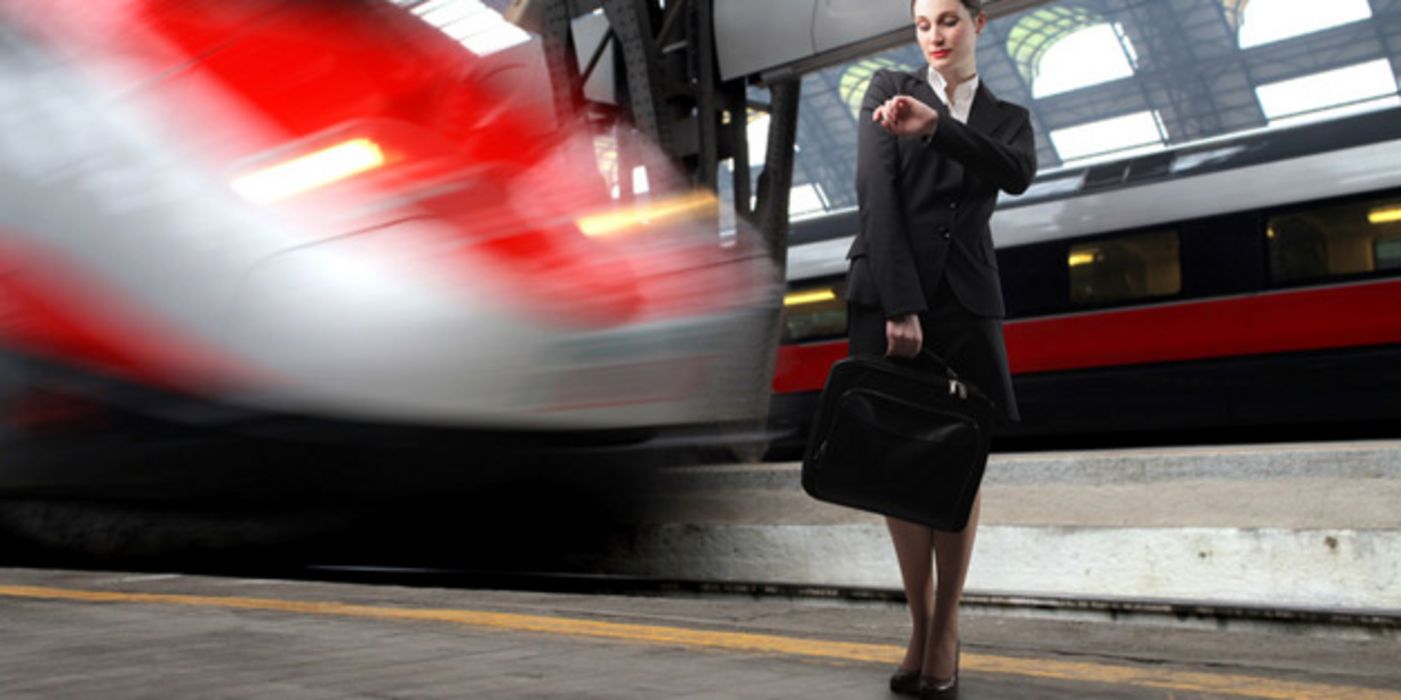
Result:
x=935 y=148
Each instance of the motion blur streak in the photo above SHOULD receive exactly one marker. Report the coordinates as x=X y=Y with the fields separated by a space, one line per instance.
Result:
x=47 y=309
x=1386 y=215
x=646 y=215
x=801 y=298
x=329 y=220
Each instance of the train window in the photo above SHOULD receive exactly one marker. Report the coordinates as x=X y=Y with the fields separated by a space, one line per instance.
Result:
x=1387 y=251
x=1337 y=241
x=814 y=313
x=1125 y=268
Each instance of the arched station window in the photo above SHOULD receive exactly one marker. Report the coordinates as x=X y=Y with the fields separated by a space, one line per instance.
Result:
x=1060 y=48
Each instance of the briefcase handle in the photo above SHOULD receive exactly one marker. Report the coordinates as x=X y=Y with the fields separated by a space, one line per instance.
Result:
x=928 y=360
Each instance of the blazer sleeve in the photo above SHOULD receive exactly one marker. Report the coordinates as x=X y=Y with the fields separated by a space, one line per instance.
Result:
x=887 y=235
x=1010 y=164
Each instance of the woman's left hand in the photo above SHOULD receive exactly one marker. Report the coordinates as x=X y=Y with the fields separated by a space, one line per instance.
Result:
x=903 y=115
x=903 y=336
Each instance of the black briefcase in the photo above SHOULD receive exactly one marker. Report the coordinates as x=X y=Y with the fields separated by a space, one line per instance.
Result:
x=904 y=438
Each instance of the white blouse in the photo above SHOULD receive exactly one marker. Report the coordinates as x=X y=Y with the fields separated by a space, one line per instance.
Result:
x=962 y=95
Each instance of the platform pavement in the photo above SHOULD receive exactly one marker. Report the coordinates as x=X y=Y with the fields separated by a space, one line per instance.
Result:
x=1313 y=525
x=110 y=635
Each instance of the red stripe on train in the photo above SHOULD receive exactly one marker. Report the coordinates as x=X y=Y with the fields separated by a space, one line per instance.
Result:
x=804 y=367
x=1275 y=322
x=52 y=309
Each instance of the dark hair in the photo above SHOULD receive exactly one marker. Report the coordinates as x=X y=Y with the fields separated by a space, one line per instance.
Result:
x=975 y=7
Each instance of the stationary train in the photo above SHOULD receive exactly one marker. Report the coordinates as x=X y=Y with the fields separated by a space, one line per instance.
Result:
x=1250 y=284
x=309 y=223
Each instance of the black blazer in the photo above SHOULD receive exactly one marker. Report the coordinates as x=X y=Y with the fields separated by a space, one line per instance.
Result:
x=925 y=202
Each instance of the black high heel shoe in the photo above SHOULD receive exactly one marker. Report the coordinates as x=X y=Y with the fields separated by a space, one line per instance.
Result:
x=905 y=682
x=932 y=689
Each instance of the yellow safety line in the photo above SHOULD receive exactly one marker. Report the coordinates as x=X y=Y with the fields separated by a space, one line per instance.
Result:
x=1229 y=684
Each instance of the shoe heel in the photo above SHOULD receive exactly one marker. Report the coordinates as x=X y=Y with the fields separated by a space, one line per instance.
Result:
x=933 y=689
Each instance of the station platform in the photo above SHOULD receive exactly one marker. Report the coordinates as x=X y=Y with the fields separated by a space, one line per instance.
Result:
x=112 y=635
x=1309 y=527
x=1265 y=571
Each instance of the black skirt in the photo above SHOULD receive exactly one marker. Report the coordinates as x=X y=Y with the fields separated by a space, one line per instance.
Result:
x=972 y=345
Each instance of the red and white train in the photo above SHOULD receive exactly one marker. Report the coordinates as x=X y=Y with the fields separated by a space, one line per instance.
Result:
x=1250 y=282
x=331 y=223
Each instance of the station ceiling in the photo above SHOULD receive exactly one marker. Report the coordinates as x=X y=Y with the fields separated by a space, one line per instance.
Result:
x=1104 y=78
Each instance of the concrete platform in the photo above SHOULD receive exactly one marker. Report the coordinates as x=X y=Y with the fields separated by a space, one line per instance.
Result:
x=1312 y=526
x=113 y=635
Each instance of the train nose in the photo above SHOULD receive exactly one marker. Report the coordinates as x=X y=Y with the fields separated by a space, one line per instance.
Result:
x=350 y=329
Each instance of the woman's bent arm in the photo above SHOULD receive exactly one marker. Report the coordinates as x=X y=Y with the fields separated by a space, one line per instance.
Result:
x=1011 y=165
x=882 y=209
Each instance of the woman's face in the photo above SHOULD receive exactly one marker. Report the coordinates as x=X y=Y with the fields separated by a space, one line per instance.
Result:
x=948 y=36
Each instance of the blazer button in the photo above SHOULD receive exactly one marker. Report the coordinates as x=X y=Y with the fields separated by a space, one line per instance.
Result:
x=945 y=233
x=953 y=203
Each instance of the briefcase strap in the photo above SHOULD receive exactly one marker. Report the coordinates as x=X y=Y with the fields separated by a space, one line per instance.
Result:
x=929 y=360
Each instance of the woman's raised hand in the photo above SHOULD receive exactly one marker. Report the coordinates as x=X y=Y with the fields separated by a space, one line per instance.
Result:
x=903 y=115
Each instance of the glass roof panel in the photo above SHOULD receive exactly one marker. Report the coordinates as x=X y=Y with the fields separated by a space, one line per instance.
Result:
x=1268 y=21
x=479 y=27
x=1330 y=93
x=1138 y=132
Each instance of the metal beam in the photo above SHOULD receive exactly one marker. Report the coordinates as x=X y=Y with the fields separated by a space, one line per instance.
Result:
x=556 y=37
x=831 y=39
x=776 y=180
x=631 y=21
x=702 y=42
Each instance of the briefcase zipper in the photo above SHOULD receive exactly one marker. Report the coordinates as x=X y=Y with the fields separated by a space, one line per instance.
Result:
x=956 y=388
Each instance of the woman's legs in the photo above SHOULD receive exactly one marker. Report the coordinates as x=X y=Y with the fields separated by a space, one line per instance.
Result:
x=952 y=553
x=933 y=610
x=914 y=546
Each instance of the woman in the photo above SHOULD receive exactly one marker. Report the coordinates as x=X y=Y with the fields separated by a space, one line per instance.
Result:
x=935 y=148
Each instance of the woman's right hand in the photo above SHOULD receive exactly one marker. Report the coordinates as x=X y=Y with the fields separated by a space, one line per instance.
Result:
x=903 y=336
x=903 y=115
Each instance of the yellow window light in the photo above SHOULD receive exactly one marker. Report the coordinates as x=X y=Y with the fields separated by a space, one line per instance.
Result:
x=1385 y=215
x=309 y=172
x=816 y=296
x=652 y=213
x=1078 y=259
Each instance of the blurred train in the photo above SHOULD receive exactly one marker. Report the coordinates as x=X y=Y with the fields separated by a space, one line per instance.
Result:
x=1248 y=284
x=319 y=222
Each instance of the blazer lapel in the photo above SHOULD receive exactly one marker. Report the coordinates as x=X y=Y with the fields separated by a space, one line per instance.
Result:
x=947 y=171
x=987 y=113
x=986 y=116
x=924 y=92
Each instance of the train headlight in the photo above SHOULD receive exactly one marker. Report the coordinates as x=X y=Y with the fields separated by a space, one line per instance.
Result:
x=663 y=211
x=311 y=171
x=1385 y=215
